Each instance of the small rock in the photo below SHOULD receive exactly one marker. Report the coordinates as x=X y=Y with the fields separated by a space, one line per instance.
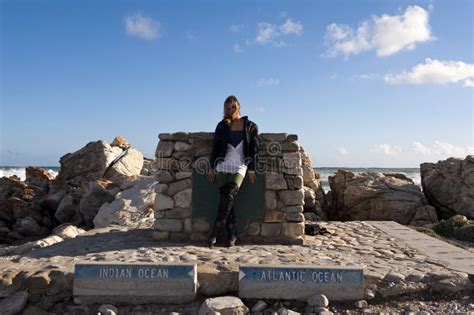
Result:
x=319 y=310
x=121 y=142
x=225 y=305
x=77 y=309
x=369 y=295
x=108 y=309
x=259 y=306
x=318 y=300
x=67 y=231
x=394 y=277
x=415 y=277
x=14 y=303
x=361 y=304
x=35 y=310
x=285 y=311
x=311 y=216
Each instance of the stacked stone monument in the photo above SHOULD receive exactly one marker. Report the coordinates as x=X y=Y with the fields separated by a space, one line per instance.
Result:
x=180 y=154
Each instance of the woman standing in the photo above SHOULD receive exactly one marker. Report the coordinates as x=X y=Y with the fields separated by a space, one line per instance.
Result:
x=234 y=153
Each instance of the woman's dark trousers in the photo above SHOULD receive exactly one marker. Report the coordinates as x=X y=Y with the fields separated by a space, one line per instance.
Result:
x=226 y=214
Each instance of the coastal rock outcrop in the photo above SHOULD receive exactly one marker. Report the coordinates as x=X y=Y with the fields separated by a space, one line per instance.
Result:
x=13 y=187
x=314 y=197
x=87 y=179
x=39 y=180
x=449 y=186
x=92 y=176
x=378 y=196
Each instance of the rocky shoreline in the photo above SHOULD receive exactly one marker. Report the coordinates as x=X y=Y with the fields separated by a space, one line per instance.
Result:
x=103 y=205
x=105 y=184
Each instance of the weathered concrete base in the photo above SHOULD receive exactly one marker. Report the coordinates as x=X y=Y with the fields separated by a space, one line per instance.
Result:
x=122 y=283
x=296 y=282
x=392 y=267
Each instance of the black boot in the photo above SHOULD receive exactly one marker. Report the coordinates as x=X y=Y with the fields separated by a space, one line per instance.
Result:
x=216 y=231
x=231 y=228
x=228 y=193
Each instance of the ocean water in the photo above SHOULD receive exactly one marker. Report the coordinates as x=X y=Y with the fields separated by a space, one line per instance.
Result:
x=413 y=173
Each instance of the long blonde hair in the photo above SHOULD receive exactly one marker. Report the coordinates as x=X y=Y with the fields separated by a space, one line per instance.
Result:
x=231 y=100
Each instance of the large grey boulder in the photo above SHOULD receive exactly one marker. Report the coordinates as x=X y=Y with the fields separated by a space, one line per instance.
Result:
x=94 y=161
x=378 y=196
x=14 y=304
x=130 y=164
x=449 y=186
x=68 y=207
x=133 y=207
x=87 y=164
x=29 y=227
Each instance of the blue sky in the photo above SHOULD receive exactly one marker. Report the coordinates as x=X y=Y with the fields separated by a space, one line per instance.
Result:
x=363 y=83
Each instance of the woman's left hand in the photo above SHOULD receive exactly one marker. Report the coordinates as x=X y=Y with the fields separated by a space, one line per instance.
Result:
x=252 y=177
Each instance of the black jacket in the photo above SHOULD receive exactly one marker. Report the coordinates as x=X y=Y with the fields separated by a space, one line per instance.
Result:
x=222 y=138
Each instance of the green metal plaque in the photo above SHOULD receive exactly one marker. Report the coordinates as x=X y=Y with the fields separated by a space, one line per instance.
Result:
x=249 y=204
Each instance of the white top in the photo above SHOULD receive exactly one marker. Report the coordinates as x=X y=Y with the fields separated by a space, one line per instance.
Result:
x=234 y=161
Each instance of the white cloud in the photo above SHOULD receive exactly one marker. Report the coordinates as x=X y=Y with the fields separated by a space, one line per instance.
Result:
x=421 y=149
x=236 y=28
x=434 y=71
x=268 y=33
x=386 y=34
x=387 y=149
x=368 y=76
x=141 y=26
x=447 y=149
x=342 y=40
x=442 y=150
x=469 y=83
x=268 y=82
x=342 y=151
x=290 y=27
x=237 y=48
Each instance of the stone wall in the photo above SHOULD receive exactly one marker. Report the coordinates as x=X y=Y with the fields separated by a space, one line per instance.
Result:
x=179 y=154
